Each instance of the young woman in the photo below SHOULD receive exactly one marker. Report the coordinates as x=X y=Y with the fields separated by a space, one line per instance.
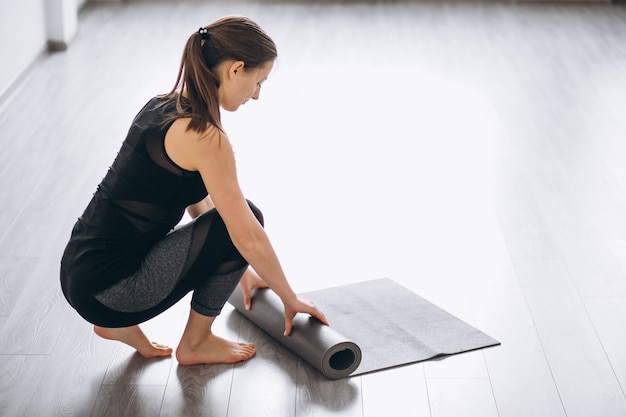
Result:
x=126 y=262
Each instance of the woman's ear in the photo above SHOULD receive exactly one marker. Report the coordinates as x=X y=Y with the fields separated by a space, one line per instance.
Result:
x=235 y=68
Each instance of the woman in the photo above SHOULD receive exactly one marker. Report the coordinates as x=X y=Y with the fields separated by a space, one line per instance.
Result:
x=125 y=263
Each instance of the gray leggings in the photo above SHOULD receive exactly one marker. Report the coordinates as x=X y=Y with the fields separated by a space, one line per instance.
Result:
x=198 y=257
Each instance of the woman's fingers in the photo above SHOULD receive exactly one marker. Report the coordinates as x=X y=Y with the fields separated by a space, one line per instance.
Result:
x=288 y=325
x=246 y=298
x=302 y=307
x=317 y=313
x=249 y=282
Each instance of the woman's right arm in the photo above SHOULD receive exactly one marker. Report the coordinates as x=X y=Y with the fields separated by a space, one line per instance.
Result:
x=212 y=155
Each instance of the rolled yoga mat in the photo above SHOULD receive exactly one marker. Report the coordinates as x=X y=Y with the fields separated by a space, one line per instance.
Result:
x=374 y=325
x=321 y=346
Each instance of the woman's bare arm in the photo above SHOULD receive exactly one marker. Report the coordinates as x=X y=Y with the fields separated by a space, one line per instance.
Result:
x=211 y=154
x=200 y=207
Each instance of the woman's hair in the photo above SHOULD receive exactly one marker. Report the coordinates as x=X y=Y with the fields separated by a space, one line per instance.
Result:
x=231 y=37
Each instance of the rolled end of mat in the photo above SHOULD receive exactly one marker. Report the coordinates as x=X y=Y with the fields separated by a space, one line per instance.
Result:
x=341 y=360
x=319 y=345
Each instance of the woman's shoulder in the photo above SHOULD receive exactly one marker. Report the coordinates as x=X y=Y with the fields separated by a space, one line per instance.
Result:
x=180 y=128
x=189 y=147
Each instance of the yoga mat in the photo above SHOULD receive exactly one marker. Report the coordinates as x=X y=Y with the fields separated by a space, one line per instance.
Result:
x=374 y=325
x=322 y=346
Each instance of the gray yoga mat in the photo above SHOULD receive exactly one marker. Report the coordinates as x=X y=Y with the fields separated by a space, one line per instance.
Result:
x=374 y=325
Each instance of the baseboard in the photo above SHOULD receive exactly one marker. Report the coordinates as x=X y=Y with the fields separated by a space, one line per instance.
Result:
x=57 y=46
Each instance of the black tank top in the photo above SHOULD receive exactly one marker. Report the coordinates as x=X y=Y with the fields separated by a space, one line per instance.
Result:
x=142 y=197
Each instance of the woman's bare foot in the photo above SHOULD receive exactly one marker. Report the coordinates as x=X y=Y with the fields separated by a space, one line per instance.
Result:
x=213 y=349
x=134 y=337
x=200 y=346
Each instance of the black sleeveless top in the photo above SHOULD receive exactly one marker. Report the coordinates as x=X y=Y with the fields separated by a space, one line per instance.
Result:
x=142 y=197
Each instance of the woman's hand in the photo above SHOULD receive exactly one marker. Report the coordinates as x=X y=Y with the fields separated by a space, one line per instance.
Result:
x=249 y=282
x=298 y=306
x=252 y=280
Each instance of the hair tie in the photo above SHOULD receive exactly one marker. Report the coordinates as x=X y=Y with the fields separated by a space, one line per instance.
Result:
x=204 y=33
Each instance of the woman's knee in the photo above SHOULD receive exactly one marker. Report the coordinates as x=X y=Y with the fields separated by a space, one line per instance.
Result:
x=257 y=213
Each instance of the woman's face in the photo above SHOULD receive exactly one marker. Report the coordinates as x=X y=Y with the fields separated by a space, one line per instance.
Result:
x=239 y=84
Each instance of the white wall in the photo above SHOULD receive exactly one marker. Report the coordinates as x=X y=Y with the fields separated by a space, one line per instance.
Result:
x=61 y=22
x=26 y=26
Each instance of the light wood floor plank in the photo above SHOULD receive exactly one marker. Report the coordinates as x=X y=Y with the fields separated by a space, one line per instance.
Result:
x=469 y=365
x=19 y=375
x=617 y=248
x=466 y=372
x=461 y=397
x=318 y=396
x=127 y=367
x=129 y=401
x=585 y=380
x=581 y=237
x=71 y=377
x=523 y=227
x=6 y=219
x=15 y=272
x=31 y=328
x=198 y=391
x=607 y=315
x=398 y=392
x=250 y=395
x=36 y=155
x=518 y=369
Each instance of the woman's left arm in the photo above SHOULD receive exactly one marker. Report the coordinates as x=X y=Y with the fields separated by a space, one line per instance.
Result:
x=200 y=207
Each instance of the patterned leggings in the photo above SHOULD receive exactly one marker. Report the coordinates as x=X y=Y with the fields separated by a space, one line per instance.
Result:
x=198 y=257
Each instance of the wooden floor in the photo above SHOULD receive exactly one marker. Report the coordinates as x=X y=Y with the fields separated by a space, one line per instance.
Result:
x=472 y=152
